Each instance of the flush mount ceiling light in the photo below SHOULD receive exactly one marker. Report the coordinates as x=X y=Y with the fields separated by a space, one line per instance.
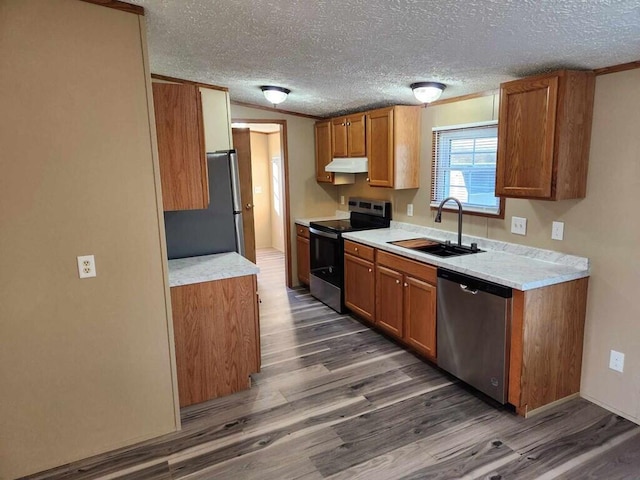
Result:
x=427 y=92
x=275 y=95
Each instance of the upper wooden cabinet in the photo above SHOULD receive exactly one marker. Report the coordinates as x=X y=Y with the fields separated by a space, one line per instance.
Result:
x=348 y=136
x=393 y=146
x=323 y=151
x=180 y=130
x=544 y=133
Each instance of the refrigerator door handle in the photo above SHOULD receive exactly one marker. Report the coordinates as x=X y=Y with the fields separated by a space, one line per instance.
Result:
x=237 y=217
x=235 y=182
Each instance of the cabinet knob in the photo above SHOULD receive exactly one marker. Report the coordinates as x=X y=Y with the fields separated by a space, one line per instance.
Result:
x=370 y=270
x=406 y=284
x=343 y=124
x=398 y=282
x=355 y=249
x=367 y=179
x=328 y=176
x=348 y=124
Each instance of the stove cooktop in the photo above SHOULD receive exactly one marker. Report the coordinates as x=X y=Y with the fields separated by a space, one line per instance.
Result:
x=346 y=225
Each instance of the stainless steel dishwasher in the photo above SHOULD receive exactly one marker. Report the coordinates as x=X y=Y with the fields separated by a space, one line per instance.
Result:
x=473 y=322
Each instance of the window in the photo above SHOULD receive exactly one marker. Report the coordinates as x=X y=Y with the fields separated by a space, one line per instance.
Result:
x=464 y=167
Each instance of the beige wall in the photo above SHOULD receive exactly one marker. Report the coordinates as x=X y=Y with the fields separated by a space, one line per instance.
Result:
x=603 y=227
x=306 y=197
x=261 y=178
x=277 y=212
x=85 y=365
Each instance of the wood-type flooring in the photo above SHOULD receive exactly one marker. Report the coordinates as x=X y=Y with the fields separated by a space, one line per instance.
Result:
x=335 y=400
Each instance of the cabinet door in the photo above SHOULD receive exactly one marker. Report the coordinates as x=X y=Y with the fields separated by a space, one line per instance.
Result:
x=420 y=316
x=339 y=147
x=183 y=164
x=380 y=147
x=216 y=117
x=356 y=136
x=302 y=247
x=526 y=137
x=389 y=292
x=359 y=287
x=323 y=151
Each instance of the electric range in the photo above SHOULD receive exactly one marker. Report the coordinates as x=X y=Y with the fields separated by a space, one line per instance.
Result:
x=326 y=280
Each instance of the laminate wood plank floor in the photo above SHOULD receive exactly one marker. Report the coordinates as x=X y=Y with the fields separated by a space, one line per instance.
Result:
x=336 y=400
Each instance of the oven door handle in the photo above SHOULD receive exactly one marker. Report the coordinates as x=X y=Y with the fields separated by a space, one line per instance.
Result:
x=320 y=233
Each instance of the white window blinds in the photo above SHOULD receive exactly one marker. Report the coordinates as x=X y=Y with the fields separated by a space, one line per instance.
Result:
x=464 y=166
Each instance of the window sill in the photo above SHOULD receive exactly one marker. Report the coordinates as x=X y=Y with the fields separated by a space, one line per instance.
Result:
x=474 y=213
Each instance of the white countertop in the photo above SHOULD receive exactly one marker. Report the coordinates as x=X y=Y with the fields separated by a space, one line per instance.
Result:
x=339 y=215
x=186 y=271
x=521 y=271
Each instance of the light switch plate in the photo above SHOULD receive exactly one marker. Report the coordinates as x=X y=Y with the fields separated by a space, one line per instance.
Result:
x=86 y=266
x=557 y=231
x=519 y=225
x=410 y=210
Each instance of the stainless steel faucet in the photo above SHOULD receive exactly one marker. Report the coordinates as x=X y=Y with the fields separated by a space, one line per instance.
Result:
x=438 y=218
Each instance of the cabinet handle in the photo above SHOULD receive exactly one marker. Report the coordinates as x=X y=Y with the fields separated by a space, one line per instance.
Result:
x=398 y=282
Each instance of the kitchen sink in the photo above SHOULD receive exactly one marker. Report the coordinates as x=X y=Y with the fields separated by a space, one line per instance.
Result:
x=439 y=249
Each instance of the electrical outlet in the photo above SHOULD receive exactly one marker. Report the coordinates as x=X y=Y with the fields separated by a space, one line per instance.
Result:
x=616 y=361
x=86 y=266
x=557 y=231
x=519 y=225
x=410 y=210
x=341 y=199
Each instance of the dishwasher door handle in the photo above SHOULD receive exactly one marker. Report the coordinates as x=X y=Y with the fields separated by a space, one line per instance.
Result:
x=466 y=289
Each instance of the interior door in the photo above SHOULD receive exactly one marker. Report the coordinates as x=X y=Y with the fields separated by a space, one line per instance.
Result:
x=242 y=144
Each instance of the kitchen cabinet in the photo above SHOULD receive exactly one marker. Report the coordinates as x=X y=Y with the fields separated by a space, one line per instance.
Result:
x=406 y=301
x=547 y=333
x=393 y=146
x=217 y=337
x=359 y=280
x=348 y=136
x=302 y=249
x=323 y=151
x=181 y=152
x=544 y=134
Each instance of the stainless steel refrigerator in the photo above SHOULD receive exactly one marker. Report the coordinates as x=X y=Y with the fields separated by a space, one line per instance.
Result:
x=217 y=229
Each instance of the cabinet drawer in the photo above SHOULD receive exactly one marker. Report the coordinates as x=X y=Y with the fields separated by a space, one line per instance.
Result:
x=302 y=231
x=359 y=250
x=410 y=267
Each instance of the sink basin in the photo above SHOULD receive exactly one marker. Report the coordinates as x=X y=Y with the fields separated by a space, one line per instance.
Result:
x=439 y=249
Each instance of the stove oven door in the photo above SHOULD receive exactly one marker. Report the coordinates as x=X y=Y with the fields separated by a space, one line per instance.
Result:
x=326 y=256
x=325 y=282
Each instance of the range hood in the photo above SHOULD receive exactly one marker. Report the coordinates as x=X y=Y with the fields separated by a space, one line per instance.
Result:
x=348 y=165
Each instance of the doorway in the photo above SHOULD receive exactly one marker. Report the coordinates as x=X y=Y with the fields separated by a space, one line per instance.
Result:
x=268 y=191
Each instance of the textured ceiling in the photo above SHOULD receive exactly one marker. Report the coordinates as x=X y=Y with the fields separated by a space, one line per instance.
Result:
x=342 y=55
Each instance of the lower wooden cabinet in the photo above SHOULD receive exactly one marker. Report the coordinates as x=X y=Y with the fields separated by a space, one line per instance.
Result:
x=359 y=287
x=406 y=302
x=302 y=251
x=396 y=294
x=547 y=335
x=217 y=337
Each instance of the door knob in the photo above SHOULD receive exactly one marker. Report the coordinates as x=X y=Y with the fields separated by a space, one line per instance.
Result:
x=248 y=206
